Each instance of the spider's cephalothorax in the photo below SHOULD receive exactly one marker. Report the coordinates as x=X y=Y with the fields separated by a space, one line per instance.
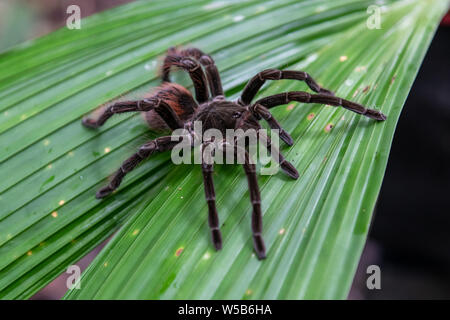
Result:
x=171 y=106
x=220 y=114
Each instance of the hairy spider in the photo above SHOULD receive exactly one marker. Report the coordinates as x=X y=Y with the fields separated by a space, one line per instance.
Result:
x=172 y=107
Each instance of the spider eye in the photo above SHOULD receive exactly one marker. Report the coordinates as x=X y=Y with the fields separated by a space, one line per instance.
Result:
x=237 y=115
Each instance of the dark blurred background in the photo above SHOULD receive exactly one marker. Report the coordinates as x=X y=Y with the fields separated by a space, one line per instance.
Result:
x=21 y=20
x=410 y=234
x=409 y=238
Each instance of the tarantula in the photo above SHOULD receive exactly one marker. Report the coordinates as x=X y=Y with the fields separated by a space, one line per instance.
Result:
x=172 y=107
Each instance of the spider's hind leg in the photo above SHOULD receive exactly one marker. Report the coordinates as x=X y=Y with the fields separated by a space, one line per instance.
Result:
x=162 y=108
x=160 y=144
x=119 y=107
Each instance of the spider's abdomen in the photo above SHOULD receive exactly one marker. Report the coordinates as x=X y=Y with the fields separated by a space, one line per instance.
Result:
x=177 y=97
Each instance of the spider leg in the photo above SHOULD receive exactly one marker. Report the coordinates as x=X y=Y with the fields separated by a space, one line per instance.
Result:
x=263 y=112
x=250 y=122
x=258 y=80
x=192 y=67
x=213 y=218
x=158 y=145
x=255 y=197
x=162 y=108
x=285 y=165
x=300 y=96
x=212 y=73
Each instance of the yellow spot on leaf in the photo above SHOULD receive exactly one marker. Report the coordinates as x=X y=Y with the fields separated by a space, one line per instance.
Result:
x=206 y=256
x=260 y=9
x=238 y=18
x=290 y=106
x=179 y=251
x=29 y=253
x=135 y=232
x=349 y=82
x=46 y=142
x=54 y=214
x=343 y=58
x=310 y=116
x=248 y=292
x=393 y=79
x=328 y=127
x=107 y=150
x=320 y=9
x=282 y=231
x=61 y=202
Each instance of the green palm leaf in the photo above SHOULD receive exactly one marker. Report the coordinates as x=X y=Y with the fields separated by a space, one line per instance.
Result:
x=315 y=227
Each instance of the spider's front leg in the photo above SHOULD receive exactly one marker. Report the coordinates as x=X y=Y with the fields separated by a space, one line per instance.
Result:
x=255 y=197
x=285 y=165
x=195 y=72
x=305 y=97
x=213 y=217
x=261 y=112
x=255 y=83
x=250 y=121
x=174 y=56
x=160 y=144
